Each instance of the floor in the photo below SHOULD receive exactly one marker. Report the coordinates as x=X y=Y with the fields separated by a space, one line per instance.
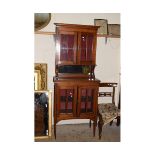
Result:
x=82 y=133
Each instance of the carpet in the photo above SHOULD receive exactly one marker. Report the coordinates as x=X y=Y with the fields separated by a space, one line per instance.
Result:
x=82 y=133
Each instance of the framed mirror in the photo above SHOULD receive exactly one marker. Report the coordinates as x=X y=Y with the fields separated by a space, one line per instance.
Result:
x=41 y=20
x=42 y=114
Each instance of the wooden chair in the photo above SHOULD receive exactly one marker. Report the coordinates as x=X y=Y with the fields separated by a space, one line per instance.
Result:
x=107 y=112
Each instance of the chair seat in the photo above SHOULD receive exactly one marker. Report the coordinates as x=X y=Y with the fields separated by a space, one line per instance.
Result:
x=108 y=112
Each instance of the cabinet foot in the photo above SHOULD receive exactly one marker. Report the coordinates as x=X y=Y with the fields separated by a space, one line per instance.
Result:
x=94 y=127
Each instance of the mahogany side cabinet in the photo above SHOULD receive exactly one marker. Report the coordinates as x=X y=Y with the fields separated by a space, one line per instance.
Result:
x=75 y=85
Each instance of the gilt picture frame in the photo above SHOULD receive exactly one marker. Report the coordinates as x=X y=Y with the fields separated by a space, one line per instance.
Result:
x=40 y=71
x=37 y=80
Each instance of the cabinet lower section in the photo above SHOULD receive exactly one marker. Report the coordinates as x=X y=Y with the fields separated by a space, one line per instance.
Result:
x=75 y=99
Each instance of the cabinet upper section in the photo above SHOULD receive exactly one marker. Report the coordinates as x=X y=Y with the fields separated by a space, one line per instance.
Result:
x=75 y=44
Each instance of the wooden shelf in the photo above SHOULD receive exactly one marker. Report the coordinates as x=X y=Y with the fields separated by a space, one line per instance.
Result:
x=108 y=36
x=45 y=33
x=98 y=35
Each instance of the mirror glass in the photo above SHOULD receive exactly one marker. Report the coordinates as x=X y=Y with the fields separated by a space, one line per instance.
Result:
x=41 y=103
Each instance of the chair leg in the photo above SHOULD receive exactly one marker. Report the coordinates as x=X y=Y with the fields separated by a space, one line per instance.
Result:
x=94 y=127
x=55 y=121
x=90 y=123
x=118 y=121
x=111 y=122
x=100 y=125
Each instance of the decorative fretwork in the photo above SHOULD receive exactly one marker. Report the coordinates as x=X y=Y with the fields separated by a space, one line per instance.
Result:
x=83 y=99
x=105 y=94
x=90 y=99
x=63 y=98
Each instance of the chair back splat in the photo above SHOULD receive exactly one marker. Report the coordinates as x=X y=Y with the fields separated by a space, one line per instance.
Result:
x=108 y=94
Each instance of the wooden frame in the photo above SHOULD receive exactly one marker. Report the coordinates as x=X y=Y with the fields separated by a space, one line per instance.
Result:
x=108 y=94
x=103 y=23
x=49 y=115
x=42 y=69
x=114 y=29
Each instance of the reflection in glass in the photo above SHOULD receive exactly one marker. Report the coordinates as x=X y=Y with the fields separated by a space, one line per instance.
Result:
x=41 y=114
x=67 y=47
x=86 y=46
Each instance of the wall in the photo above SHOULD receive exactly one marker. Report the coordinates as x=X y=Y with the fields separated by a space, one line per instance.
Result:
x=107 y=56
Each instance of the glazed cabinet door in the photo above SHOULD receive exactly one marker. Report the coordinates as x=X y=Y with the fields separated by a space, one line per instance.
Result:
x=67 y=48
x=86 y=50
x=87 y=100
x=66 y=100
